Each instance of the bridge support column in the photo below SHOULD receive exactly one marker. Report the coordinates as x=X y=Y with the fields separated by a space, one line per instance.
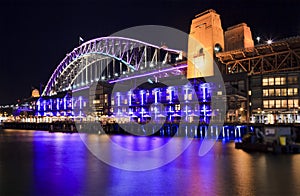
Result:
x=206 y=38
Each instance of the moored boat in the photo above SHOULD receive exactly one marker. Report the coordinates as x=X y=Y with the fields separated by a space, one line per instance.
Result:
x=270 y=139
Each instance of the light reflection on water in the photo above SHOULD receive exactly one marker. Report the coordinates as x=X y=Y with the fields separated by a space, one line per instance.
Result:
x=41 y=163
x=134 y=153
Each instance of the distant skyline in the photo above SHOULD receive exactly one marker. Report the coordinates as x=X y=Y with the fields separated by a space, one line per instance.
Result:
x=37 y=34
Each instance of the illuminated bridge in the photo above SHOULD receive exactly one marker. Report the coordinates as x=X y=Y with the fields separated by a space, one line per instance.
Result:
x=108 y=59
x=261 y=81
x=97 y=65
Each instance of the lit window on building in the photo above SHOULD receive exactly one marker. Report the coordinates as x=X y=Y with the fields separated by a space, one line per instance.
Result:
x=277 y=81
x=271 y=92
x=271 y=104
x=290 y=103
x=278 y=103
x=185 y=97
x=265 y=82
x=283 y=92
x=125 y=101
x=177 y=107
x=280 y=81
x=283 y=80
x=292 y=91
x=96 y=101
x=278 y=92
x=266 y=92
x=266 y=103
x=284 y=103
x=271 y=81
x=295 y=91
x=296 y=103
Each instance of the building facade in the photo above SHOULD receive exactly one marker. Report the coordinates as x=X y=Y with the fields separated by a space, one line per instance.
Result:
x=264 y=80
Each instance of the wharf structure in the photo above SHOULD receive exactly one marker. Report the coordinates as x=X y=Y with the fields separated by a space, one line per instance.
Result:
x=261 y=82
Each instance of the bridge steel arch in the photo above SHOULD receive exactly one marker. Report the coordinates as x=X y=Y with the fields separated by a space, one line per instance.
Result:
x=107 y=58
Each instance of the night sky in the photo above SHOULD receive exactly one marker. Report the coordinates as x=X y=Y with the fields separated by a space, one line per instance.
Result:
x=37 y=34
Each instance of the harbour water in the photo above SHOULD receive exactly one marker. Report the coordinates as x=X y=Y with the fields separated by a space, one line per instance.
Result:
x=42 y=163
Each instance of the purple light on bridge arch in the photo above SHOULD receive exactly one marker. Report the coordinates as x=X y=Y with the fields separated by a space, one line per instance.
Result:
x=148 y=74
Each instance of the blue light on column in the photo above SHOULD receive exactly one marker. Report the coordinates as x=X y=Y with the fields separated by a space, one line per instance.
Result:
x=65 y=103
x=204 y=110
x=129 y=98
x=171 y=94
x=118 y=99
x=44 y=105
x=57 y=103
x=80 y=103
x=204 y=93
x=142 y=92
x=51 y=102
x=186 y=94
x=39 y=105
x=156 y=96
x=186 y=112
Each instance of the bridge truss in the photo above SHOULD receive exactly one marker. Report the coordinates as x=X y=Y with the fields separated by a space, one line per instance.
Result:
x=108 y=59
x=281 y=56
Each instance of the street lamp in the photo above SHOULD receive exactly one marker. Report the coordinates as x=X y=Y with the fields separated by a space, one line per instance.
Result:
x=258 y=39
x=269 y=41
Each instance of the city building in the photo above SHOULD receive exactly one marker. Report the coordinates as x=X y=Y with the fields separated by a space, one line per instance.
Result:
x=263 y=81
